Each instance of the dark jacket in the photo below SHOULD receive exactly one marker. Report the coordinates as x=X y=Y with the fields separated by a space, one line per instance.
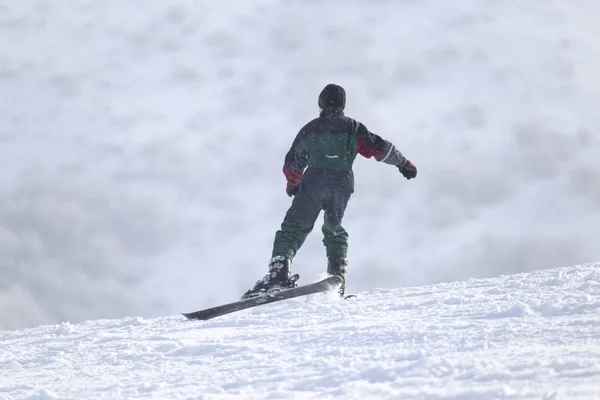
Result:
x=328 y=146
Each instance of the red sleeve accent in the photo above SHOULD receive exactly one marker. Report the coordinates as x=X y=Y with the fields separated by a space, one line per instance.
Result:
x=366 y=150
x=293 y=177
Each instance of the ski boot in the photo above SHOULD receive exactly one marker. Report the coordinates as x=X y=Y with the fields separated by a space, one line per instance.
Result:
x=279 y=278
x=338 y=266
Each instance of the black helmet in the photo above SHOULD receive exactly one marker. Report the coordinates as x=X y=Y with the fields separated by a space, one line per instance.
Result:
x=332 y=96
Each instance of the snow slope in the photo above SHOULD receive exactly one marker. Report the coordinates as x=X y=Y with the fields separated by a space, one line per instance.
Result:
x=525 y=336
x=141 y=149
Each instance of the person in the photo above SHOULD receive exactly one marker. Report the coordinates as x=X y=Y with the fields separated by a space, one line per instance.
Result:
x=327 y=148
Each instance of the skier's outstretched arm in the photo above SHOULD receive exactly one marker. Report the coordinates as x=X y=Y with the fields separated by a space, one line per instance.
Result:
x=293 y=168
x=372 y=145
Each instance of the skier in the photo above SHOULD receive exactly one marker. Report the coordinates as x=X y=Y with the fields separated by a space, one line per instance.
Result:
x=327 y=147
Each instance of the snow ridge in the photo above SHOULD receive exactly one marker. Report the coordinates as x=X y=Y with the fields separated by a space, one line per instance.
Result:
x=524 y=336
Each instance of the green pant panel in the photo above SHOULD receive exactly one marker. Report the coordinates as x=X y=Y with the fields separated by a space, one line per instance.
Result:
x=289 y=239
x=335 y=239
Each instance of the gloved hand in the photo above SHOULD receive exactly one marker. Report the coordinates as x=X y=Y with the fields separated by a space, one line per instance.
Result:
x=292 y=190
x=408 y=169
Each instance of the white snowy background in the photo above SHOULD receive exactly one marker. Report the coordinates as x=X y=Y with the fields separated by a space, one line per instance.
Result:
x=141 y=144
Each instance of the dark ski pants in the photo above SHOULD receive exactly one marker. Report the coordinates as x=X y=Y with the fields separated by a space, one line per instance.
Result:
x=329 y=192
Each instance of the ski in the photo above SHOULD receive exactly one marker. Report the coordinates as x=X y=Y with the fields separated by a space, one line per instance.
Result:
x=312 y=288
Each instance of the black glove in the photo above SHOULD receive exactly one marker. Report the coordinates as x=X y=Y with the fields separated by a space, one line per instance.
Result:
x=408 y=169
x=292 y=190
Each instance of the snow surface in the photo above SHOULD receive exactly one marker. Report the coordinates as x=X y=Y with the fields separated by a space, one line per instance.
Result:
x=142 y=144
x=525 y=336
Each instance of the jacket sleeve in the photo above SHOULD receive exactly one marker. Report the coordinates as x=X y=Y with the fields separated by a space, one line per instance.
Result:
x=372 y=145
x=296 y=161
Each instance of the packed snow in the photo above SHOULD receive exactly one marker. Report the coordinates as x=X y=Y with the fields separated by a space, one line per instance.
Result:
x=525 y=336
